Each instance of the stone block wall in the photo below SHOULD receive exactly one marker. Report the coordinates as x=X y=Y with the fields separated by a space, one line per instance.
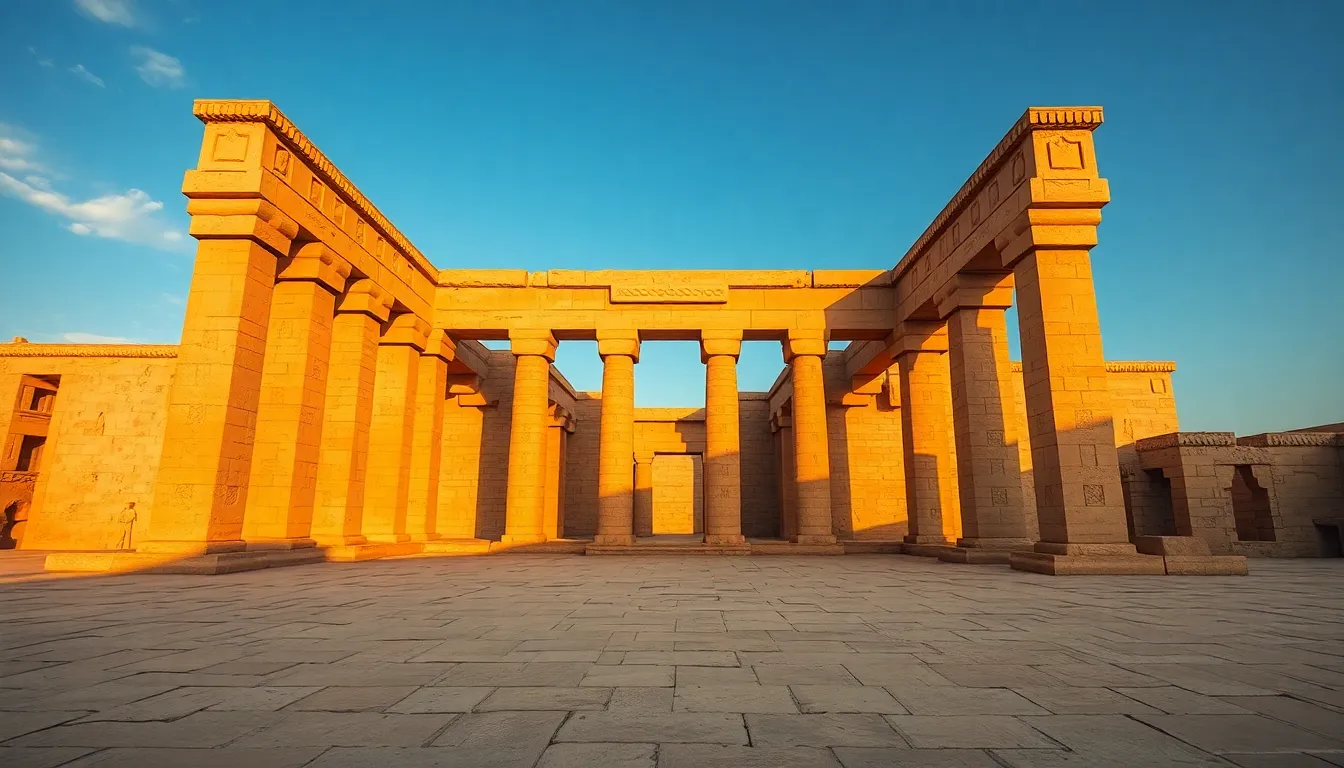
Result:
x=103 y=444
x=678 y=494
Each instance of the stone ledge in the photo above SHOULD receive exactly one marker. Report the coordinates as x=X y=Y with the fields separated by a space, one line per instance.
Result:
x=1086 y=565
x=552 y=547
x=666 y=549
x=207 y=565
x=975 y=556
x=790 y=548
x=372 y=551
x=873 y=547
x=457 y=547
x=1205 y=565
x=924 y=550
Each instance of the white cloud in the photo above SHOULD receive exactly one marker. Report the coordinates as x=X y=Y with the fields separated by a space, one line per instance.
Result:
x=16 y=154
x=176 y=301
x=79 y=70
x=93 y=338
x=158 y=69
x=119 y=12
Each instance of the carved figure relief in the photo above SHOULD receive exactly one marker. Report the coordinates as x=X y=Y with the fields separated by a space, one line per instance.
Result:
x=126 y=519
x=1019 y=168
x=315 y=193
x=281 y=165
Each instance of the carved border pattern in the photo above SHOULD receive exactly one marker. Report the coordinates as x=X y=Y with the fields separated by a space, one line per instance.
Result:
x=1187 y=440
x=88 y=350
x=1062 y=118
x=252 y=111
x=1294 y=439
x=1122 y=366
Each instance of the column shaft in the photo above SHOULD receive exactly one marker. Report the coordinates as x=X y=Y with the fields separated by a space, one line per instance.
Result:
x=811 y=455
x=723 y=452
x=200 y=491
x=930 y=471
x=984 y=417
x=343 y=458
x=422 y=508
x=616 y=451
x=644 y=495
x=788 y=495
x=555 y=482
x=525 y=500
x=1077 y=471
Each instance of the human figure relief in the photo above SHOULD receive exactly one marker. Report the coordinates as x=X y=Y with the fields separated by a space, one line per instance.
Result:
x=127 y=518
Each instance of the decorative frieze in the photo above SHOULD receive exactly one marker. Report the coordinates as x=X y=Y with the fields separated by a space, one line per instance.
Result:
x=24 y=349
x=1294 y=440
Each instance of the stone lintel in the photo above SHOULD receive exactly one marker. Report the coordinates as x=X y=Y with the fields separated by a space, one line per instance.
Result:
x=406 y=330
x=715 y=342
x=975 y=290
x=365 y=296
x=317 y=263
x=533 y=342
x=441 y=345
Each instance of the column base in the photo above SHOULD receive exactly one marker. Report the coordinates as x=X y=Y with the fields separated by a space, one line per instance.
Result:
x=389 y=538
x=1088 y=564
x=973 y=556
x=1005 y=544
x=813 y=538
x=725 y=539
x=425 y=537
x=340 y=541
x=614 y=539
x=925 y=546
x=162 y=562
x=371 y=550
x=187 y=548
x=514 y=539
x=267 y=545
x=1189 y=556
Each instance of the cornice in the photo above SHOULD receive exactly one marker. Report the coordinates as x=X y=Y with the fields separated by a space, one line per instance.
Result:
x=1294 y=440
x=263 y=111
x=88 y=350
x=1187 y=440
x=1035 y=118
x=1122 y=366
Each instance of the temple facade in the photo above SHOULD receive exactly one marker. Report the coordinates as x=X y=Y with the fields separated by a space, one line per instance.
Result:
x=331 y=399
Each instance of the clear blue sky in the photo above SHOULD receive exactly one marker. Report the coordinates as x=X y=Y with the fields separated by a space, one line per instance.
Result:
x=749 y=135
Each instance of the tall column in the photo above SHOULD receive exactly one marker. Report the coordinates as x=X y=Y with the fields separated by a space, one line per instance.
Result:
x=644 y=494
x=616 y=448
x=930 y=473
x=555 y=475
x=984 y=414
x=804 y=351
x=392 y=427
x=283 y=484
x=1078 y=498
x=788 y=491
x=533 y=352
x=200 y=491
x=723 y=450
x=431 y=390
x=343 y=458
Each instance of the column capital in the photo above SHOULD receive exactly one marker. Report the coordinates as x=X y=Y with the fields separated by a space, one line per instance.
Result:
x=1071 y=229
x=618 y=342
x=644 y=457
x=405 y=330
x=440 y=345
x=364 y=296
x=533 y=342
x=715 y=343
x=242 y=218
x=804 y=342
x=918 y=336
x=318 y=263
x=975 y=290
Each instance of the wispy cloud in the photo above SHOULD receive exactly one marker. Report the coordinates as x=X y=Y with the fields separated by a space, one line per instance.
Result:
x=85 y=74
x=119 y=12
x=92 y=338
x=131 y=216
x=158 y=69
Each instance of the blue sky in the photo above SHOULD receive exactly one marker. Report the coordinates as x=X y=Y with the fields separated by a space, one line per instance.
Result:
x=750 y=135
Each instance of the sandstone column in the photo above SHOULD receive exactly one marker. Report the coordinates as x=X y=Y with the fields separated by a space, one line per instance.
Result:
x=343 y=458
x=1078 y=499
x=984 y=415
x=283 y=484
x=803 y=351
x=616 y=449
x=555 y=475
x=533 y=352
x=930 y=471
x=200 y=492
x=390 y=430
x=723 y=451
x=788 y=491
x=431 y=391
x=644 y=494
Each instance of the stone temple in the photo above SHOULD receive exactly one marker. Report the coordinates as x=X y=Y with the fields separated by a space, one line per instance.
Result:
x=331 y=399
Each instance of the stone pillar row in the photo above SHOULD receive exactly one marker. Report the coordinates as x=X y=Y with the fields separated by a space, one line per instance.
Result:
x=304 y=410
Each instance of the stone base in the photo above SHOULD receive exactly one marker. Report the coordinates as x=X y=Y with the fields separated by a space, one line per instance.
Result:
x=924 y=550
x=790 y=548
x=513 y=539
x=974 y=556
x=813 y=539
x=157 y=562
x=372 y=550
x=1079 y=565
x=545 y=547
x=456 y=547
x=872 y=547
x=721 y=540
x=689 y=548
x=264 y=545
x=1171 y=545
x=614 y=539
x=1206 y=565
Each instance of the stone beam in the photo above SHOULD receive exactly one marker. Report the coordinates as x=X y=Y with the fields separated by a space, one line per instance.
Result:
x=1039 y=184
x=764 y=305
x=251 y=150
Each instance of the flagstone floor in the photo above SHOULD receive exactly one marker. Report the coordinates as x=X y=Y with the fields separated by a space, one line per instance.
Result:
x=676 y=662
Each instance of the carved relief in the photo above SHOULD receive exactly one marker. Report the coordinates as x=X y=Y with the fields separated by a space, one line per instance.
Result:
x=1019 y=168
x=994 y=194
x=994 y=438
x=1064 y=154
x=669 y=294
x=338 y=213
x=315 y=192
x=230 y=147
x=975 y=213
x=281 y=165
x=998 y=497
x=1094 y=495
x=359 y=231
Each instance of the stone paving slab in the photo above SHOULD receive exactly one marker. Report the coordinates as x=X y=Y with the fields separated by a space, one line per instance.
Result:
x=551 y=661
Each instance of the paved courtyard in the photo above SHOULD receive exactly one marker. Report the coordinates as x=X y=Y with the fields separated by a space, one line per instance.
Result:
x=549 y=660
